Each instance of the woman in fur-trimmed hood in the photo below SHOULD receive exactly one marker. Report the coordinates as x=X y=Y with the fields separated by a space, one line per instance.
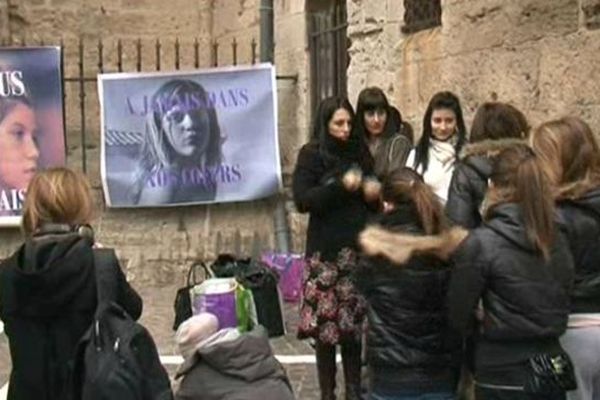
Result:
x=495 y=127
x=410 y=351
x=517 y=266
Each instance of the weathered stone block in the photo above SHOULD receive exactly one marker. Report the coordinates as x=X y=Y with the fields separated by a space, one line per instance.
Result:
x=591 y=13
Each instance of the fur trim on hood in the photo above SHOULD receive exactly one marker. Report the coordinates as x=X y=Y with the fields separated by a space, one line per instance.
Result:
x=488 y=148
x=400 y=247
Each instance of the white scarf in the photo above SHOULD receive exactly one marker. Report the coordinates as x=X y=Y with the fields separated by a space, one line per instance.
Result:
x=440 y=168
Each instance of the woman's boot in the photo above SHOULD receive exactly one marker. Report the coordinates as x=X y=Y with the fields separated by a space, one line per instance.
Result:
x=326 y=370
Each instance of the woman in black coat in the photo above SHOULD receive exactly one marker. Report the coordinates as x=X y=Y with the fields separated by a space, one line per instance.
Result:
x=570 y=155
x=410 y=349
x=327 y=184
x=381 y=131
x=515 y=272
x=495 y=127
x=48 y=286
x=520 y=269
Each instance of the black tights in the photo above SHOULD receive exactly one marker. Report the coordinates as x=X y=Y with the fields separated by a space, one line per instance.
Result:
x=326 y=368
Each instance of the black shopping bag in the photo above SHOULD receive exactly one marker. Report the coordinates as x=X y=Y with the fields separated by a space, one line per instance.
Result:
x=262 y=281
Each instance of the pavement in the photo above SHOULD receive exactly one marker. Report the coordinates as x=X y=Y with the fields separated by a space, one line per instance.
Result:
x=296 y=356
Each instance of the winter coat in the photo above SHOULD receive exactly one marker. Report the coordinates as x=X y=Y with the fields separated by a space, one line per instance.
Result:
x=525 y=299
x=240 y=369
x=579 y=219
x=408 y=336
x=390 y=154
x=336 y=215
x=470 y=179
x=47 y=302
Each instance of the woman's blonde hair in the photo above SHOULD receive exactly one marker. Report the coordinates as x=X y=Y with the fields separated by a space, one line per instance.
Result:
x=57 y=195
x=568 y=152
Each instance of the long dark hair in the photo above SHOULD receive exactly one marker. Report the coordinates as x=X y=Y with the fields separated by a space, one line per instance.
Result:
x=518 y=177
x=439 y=100
x=495 y=120
x=372 y=99
x=406 y=186
x=333 y=150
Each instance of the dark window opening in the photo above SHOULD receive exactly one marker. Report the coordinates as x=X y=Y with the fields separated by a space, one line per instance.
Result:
x=421 y=14
x=328 y=47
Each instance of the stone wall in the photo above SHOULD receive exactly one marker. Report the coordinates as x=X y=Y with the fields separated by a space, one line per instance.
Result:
x=156 y=244
x=539 y=55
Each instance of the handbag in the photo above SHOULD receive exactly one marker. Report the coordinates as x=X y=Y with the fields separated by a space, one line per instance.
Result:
x=550 y=376
x=183 y=301
x=262 y=282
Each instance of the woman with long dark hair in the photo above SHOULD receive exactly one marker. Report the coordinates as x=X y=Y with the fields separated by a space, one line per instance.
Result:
x=443 y=136
x=375 y=122
x=327 y=184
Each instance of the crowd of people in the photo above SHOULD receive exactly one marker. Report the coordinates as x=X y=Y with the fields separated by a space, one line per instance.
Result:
x=465 y=264
x=478 y=273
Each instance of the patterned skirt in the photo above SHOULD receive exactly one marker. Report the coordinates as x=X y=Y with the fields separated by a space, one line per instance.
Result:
x=332 y=309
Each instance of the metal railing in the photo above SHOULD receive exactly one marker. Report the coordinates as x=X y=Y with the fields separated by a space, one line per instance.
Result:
x=87 y=74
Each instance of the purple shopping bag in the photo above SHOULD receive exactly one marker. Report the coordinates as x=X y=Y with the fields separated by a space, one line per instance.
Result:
x=290 y=268
x=217 y=296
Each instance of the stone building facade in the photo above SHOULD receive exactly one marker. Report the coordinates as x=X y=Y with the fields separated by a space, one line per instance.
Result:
x=540 y=55
x=157 y=244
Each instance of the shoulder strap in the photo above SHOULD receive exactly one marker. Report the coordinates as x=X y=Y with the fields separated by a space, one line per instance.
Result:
x=104 y=261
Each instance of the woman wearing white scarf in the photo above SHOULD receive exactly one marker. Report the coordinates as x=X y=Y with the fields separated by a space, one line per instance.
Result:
x=444 y=134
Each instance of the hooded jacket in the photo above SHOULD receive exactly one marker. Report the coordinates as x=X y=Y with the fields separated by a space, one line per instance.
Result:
x=579 y=219
x=525 y=299
x=408 y=337
x=47 y=302
x=470 y=179
x=240 y=369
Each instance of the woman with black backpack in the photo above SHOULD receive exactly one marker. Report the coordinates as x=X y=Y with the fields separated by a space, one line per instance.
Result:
x=48 y=286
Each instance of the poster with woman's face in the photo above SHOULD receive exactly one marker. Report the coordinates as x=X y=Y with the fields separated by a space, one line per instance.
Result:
x=179 y=138
x=31 y=122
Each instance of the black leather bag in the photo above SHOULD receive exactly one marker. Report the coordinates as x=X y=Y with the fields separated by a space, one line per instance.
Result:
x=262 y=281
x=183 y=301
x=550 y=376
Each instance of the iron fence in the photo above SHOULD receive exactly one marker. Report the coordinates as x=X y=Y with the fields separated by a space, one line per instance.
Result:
x=85 y=74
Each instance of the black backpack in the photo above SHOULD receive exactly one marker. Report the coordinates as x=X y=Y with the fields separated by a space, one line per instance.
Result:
x=116 y=358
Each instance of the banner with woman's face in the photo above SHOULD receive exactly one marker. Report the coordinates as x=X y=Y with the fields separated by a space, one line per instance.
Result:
x=179 y=138
x=31 y=122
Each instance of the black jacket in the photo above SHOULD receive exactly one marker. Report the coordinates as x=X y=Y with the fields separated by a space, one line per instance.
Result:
x=525 y=299
x=336 y=215
x=469 y=181
x=47 y=302
x=580 y=221
x=408 y=331
x=240 y=369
